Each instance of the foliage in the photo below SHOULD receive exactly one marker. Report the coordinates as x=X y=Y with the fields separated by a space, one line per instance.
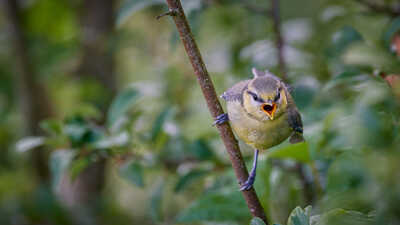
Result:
x=165 y=162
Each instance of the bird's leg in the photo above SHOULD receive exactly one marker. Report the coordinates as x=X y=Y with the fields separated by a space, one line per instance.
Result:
x=252 y=176
x=221 y=119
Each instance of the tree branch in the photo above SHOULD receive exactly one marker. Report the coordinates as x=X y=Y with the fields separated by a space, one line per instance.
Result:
x=380 y=8
x=214 y=106
x=34 y=102
x=276 y=18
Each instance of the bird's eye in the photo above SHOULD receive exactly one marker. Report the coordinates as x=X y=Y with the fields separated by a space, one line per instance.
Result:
x=277 y=96
x=255 y=97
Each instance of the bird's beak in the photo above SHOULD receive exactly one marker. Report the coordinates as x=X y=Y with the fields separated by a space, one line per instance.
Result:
x=269 y=109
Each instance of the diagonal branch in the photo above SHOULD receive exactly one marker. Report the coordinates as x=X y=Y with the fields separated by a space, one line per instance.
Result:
x=214 y=106
x=380 y=8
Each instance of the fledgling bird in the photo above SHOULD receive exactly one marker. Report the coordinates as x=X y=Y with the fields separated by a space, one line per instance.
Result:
x=262 y=114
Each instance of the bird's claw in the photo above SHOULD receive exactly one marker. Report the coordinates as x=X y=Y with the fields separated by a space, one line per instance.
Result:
x=248 y=184
x=221 y=119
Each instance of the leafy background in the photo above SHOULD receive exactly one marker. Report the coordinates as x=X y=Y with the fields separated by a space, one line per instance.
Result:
x=145 y=152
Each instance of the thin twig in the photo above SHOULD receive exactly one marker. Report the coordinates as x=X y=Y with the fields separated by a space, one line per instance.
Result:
x=214 y=107
x=280 y=44
x=306 y=183
x=380 y=8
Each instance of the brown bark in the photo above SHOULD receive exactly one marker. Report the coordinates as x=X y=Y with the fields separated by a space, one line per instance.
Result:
x=97 y=21
x=214 y=106
x=279 y=41
x=380 y=7
x=33 y=100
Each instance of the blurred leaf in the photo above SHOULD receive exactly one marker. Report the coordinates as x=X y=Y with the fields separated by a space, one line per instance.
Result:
x=40 y=20
x=303 y=95
x=77 y=166
x=156 y=202
x=201 y=150
x=370 y=56
x=388 y=35
x=218 y=207
x=29 y=143
x=343 y=39
x=118 y=140
x=343 y=217
x=159 y=123
x=59 y=161
x=130 y=7
x=345 y=173
x=297 y=152
x=80 y=132
x=133 y=172
x=121 y=104
x=299 y=216
x=189 y=178
x=347 y=77
x=257 y=221
x=52 y=126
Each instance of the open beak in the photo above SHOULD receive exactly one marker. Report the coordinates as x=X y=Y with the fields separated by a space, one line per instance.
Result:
x=269 y=109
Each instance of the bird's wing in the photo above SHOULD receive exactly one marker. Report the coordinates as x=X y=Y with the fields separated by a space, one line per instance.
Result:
x=235 y=92
x=294 y=119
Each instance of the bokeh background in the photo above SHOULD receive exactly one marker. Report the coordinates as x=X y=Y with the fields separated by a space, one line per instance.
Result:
x=102 y=121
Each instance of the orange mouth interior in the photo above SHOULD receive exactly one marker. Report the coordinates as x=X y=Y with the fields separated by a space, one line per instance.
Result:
x=269 y=109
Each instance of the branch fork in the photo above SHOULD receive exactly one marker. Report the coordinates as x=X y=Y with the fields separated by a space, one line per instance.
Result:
x=171 y=12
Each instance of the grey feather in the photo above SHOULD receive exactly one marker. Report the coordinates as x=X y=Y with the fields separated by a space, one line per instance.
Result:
x=235 y=92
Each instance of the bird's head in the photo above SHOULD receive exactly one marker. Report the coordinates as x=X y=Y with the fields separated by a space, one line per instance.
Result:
x=265 y=97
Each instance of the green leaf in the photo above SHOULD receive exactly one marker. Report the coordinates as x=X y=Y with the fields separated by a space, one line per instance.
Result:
x=81 y=133
x=119 y=140
x=303 y=95
x=299 y=216
x=159 y=123
x=298 y=152
x=201 y=150
x=393 y=28
x=189 y=178
x=343 y=217
x=77 y=166
x=216 y=206
x=29 y=143
x=343 y=39
x=52 y=126
x=257 y=221
x=121 y=104
x=156 y=202
x=59 y=162
x=347 y=77
x=133 y=172
x=365 y=54
x=130 y=7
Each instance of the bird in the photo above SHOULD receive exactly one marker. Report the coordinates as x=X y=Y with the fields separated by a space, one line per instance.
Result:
x=263 y=114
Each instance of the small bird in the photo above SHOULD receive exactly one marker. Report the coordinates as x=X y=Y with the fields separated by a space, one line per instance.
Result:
x=262 y=114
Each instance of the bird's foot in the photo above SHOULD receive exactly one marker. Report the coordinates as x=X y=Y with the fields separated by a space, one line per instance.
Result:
x=249 y=183
x=221 y=119
x=252 y=176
